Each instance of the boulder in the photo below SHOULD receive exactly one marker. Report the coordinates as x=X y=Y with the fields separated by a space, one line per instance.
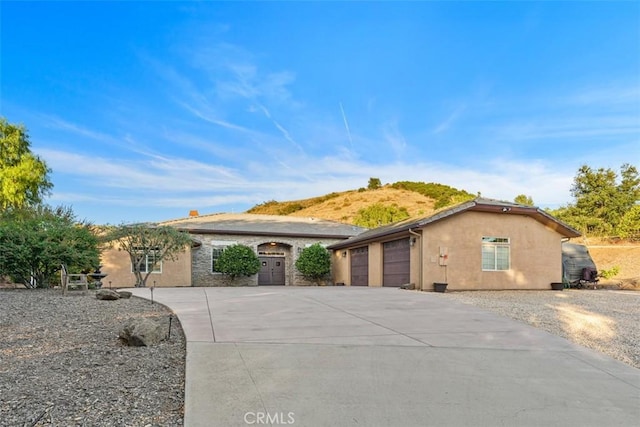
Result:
x=142 y=332
x=107 y=294
x=125 y=294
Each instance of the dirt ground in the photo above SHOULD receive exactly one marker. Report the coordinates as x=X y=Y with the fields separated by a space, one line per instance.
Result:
x=625 y=256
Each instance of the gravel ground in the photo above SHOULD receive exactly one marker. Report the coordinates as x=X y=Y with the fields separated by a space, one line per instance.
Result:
x=62 y=364
x=603 y=320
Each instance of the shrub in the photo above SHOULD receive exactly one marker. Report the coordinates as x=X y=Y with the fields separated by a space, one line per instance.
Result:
x=379 y=214
x=610 y=273
x=290 y=208
x=374 y=183
x=444 y=195
x=238 y=260
x=314 y=262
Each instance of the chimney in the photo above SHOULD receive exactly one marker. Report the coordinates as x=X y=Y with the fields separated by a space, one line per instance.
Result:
x=193 y=212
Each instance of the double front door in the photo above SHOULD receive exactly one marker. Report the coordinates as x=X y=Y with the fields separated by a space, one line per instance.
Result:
x=271 y=271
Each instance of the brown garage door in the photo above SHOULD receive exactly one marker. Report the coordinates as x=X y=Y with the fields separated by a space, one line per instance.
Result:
x=396 y=262
x=360 y=266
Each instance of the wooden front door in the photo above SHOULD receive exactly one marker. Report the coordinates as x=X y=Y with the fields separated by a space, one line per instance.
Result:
x=271 y=271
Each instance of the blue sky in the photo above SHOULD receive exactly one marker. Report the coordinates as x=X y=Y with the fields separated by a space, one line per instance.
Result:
x=146 y=110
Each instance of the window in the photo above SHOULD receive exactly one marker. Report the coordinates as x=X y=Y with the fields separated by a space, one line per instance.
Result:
x=496 y=253
x=149 y=264
x=218 y=246
x=215 y=254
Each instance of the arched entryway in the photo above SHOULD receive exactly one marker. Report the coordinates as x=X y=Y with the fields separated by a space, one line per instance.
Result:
x=273 y=265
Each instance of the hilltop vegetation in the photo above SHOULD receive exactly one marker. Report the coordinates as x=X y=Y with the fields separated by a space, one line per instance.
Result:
x=442 y=194
x=606 y=204
x=375 y=205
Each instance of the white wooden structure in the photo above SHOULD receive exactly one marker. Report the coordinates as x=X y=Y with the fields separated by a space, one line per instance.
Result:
x=73 y=282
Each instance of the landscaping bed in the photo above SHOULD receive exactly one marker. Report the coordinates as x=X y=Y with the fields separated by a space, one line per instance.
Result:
x=61 y=362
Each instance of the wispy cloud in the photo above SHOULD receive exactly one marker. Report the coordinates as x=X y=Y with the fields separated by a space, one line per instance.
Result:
x=394 y=137
x=346 y=126
x=205 y=113
x=282 y=129
x=450 y=120
x=232 y=77
x=569 y=127
x=604 y=95
x=155 y=173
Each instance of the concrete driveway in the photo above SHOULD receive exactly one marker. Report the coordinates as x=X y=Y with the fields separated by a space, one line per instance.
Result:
x=384 y=357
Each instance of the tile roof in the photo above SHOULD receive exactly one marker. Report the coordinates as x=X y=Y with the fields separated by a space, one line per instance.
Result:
x=252 y=224
x=478 y=204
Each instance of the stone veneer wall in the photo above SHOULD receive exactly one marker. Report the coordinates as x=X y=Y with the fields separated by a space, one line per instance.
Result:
x=201 y=258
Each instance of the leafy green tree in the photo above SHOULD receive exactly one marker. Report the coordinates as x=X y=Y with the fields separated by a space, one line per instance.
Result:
x=629 y=226
x=601 y=199
x=314 y=262
x=24 y=177
x=36 y=240
x=238 y=260
x=374 y=184
x=523 y=199
x=147 y=245
x=379 y=214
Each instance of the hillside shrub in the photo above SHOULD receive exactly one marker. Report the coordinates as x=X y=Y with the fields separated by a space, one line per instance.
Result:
x=444 y=195
x=290 y=208
x=374 y=183
x=379 y=214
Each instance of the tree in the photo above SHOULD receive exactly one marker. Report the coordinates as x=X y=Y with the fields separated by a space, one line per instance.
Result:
x=523 y=199
x=314 y=262
x=602 y=199
x=374 y=184
x=378 y=214
x=24 y=177
x=35 y=241
x=238 y=260
x=147 y=245
x=629 y=227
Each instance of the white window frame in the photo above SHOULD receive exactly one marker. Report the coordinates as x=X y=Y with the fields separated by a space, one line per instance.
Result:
x=156 y=270
x=218 y=245
x=499 y=246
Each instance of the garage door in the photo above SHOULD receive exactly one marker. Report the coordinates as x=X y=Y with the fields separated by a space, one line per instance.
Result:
x=396 y=262
x=360 y=266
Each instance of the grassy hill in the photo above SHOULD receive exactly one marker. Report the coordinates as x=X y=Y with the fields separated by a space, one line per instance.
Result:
x=418 y=198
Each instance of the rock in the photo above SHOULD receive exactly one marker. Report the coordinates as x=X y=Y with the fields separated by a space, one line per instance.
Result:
x=125 y=294
x=142 y=332
x=107 y=294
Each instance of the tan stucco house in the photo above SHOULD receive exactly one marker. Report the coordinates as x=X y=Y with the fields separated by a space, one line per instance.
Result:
x=277 y=240
x=480 y=244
